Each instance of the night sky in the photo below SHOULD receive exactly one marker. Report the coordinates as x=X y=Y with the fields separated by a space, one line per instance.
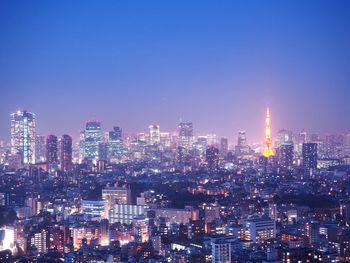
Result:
x=218 y=64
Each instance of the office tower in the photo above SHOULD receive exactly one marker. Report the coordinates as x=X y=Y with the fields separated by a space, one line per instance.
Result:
x=154 y=134
x=81 y=146
x=40 y=149
x=66 y=153
x=23 y=136
x=242 y=145
x=104 y=232
x=186 y=135
x=115 y=144
x=220 y=251
x=273 y=211
x=92 y=139
x=102 y=151
x=260 y=229
x=165 y=139
x=268 y=147
x=312 y=231
x=309 y=151
x=223 y=146
x=212 y=157
x=140 y=226
x=282 y=137
x=51 y=151
x=116 y=195
x=286 y=153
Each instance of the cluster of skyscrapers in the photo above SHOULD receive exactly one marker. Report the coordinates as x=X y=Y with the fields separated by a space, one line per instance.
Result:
x=173 y=196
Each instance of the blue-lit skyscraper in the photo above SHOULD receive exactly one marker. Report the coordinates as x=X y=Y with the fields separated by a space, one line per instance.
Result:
x=115 y=144
x=92 y=140
x=23 y=136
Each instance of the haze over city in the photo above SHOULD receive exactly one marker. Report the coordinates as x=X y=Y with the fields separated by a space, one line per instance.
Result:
x=218 y=65
x=174 y=131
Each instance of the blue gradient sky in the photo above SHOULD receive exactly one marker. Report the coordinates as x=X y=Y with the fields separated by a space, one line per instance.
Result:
x=216 y=63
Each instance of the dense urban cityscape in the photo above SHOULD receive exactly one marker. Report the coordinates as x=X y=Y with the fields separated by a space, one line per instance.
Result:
x=176 y=196
x=174 y=131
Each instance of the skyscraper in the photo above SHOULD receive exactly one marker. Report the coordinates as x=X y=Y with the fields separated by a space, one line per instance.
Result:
x=66 y=153
x=154 y=134
x=223 y=146
x=23 y=136
x=51 y=151
x=40 y=149
x=92 y=140
x=212 y=156
x=242 y=145
x=115 y=144
x=186 y=135
x=268 y=147
x=309 y=151
x=286 y=151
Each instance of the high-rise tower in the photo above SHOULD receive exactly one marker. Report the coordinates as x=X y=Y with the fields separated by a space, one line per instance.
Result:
x=268 y=148
x=23 y=136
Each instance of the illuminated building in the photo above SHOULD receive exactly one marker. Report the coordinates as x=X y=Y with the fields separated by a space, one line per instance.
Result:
x=186 y=135
x=312 y=231
x=309 y=151
x=85 y=232
x=260 y=229
x=124 y=214
x=104 y=232
x=7 y=238
x=292 y=216
x=223 y=146
x=40 y=240
x=97 y=210
x=221 y=251
x=165 y=139
x=115 y=144
x=66 y=153
x=178 y=216
x=51 y=152
x=211 y=212
x=81 y=146
x=154 y=134
x=242 y=145
x=92 y=139
x=268 y=147
x=286 y=154
x=273 y=211
x=57 y=239
x=212 y=157
x=345 y=212
x=116 y=195
x=140 y=228
x=40 y=149
x=23 y=136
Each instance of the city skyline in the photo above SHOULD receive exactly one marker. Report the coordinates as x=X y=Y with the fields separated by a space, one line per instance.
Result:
x=220 y=73
x=175 y=131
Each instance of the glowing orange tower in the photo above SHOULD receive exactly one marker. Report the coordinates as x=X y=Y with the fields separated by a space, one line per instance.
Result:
x=268 y=149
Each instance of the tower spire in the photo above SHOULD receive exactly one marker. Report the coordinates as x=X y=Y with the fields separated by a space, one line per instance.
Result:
x=268 y=149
